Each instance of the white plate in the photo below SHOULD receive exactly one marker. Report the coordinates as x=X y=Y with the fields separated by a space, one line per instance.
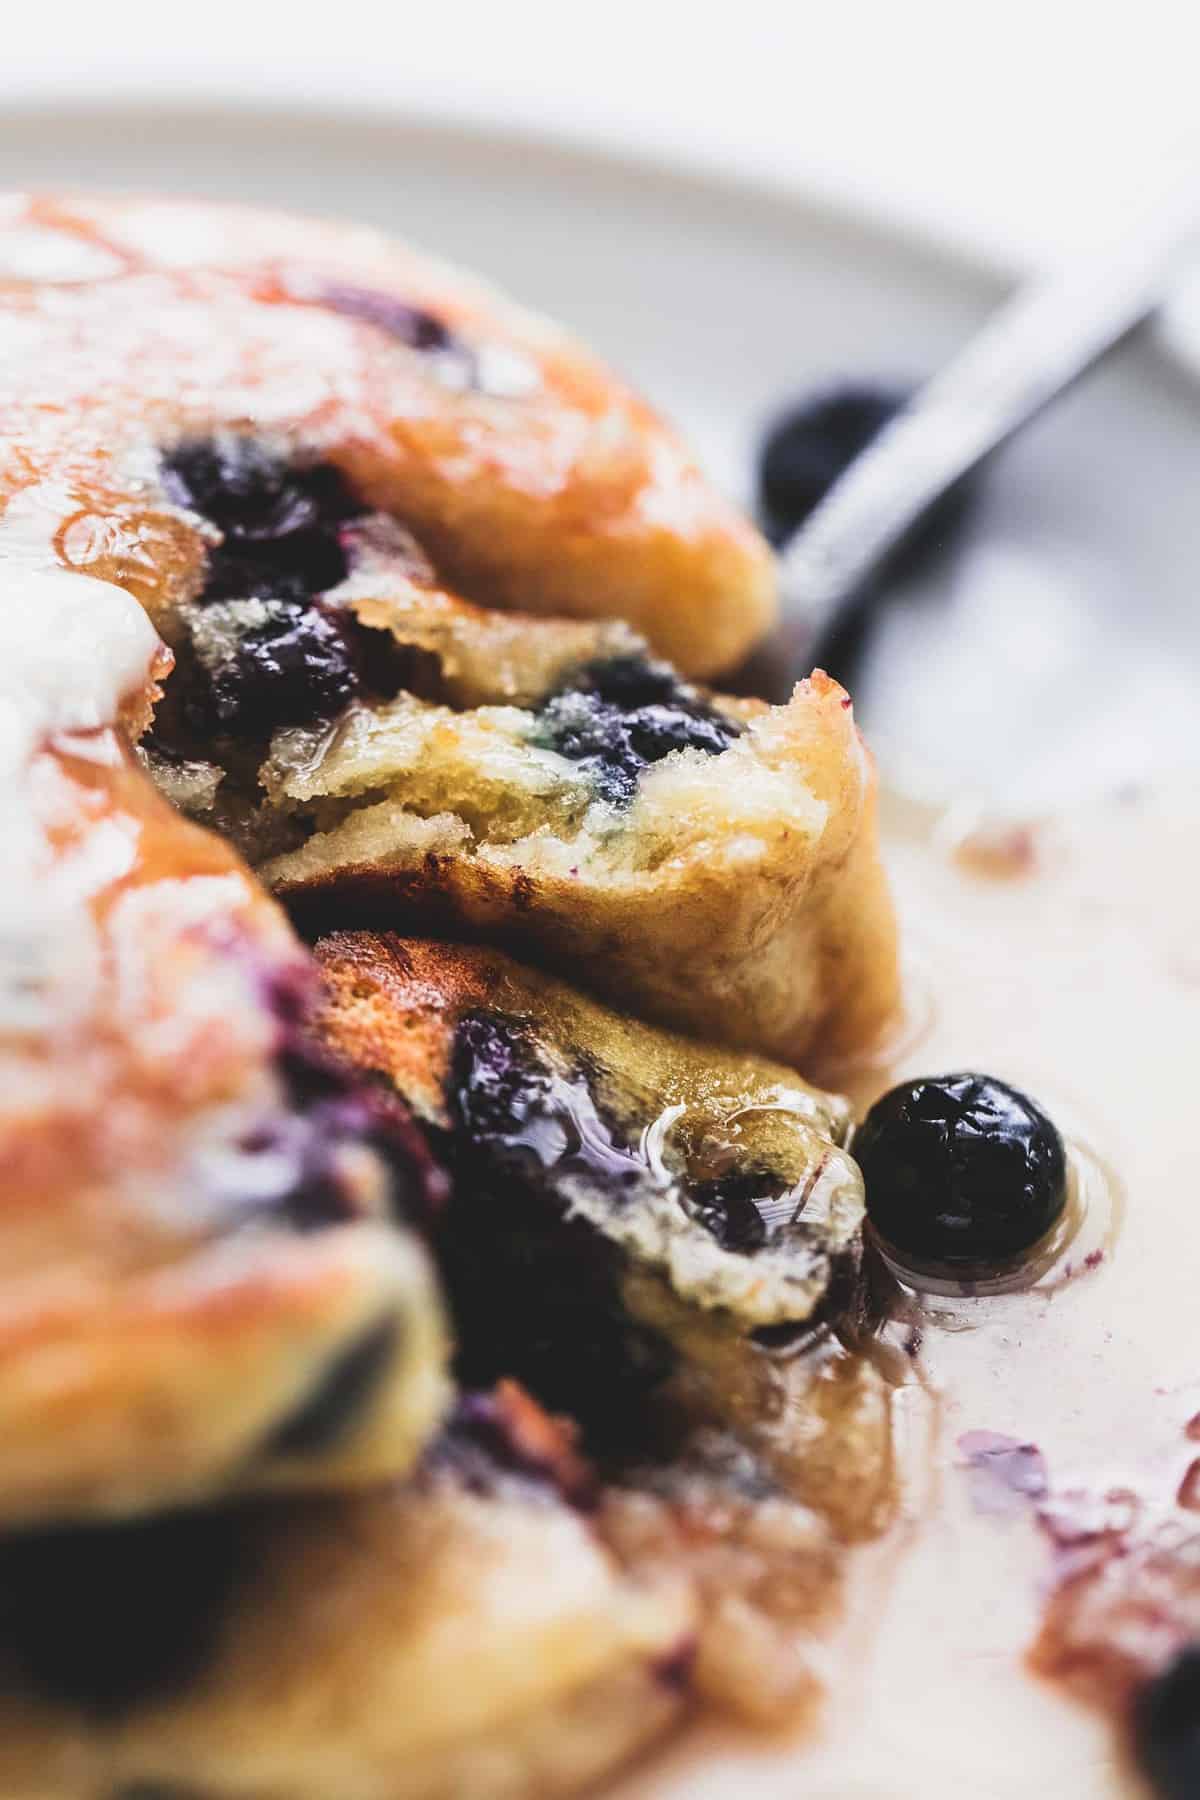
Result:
x=723 y=301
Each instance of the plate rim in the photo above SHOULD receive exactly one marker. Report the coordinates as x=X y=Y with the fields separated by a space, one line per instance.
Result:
x=481 y=128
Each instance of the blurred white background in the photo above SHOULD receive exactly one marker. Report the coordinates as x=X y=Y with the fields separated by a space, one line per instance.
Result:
x=1014 y=129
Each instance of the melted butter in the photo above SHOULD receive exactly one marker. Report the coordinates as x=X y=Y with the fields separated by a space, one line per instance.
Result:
x=75 y=647
x=75 y=650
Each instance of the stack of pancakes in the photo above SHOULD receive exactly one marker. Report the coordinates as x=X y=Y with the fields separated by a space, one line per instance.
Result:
x=430 y=1355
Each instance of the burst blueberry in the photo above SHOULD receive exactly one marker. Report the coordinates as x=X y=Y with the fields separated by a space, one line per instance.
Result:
x=280 y=521
x=296 y=667
x=811 y=444
x=536 y=1291
x=618 y=717
x=726 y=1206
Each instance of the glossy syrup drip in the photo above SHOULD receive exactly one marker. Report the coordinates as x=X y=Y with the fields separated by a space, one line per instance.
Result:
x=536 y=1292
x=543 y=1230
x=511 y=1096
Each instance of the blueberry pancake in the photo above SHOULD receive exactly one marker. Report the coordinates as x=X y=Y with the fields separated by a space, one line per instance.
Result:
x=209 y=1282
x=372 y=577
x=649 y=1233
x=388 y=751
x=531 y=475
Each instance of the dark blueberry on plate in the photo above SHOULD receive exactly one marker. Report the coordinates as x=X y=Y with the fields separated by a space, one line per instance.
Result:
x=816 y=440
x=810 y=445
x=1166 y=1728
x=960 y=1169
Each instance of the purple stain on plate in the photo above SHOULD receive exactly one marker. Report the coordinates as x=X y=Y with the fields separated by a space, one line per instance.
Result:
x=1006 y=1475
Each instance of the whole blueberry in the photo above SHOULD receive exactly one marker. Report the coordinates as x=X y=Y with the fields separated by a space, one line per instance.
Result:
x=810 y=445
x=1166 y=1728
x=961 y=1169
x=814 y=441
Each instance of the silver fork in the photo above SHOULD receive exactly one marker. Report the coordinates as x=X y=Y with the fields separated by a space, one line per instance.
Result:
x=1032 y=348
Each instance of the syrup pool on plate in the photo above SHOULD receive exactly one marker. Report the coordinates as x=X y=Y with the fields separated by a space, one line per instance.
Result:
x=1073 y=975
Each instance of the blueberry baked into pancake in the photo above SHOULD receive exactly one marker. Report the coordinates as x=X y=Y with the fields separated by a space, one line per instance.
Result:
x=386 y=749
x=343 y=537
x=531 y=476
x=419 y=1376
x=643 y=1228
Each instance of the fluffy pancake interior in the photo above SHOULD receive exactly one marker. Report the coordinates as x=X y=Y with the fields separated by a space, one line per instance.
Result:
x=461 y=753
x=382 y=750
